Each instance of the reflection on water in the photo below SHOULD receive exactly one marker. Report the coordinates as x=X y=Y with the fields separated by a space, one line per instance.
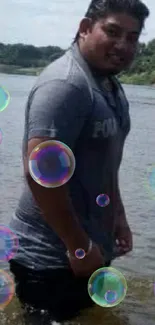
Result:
x=139 y=154
x=138 y=304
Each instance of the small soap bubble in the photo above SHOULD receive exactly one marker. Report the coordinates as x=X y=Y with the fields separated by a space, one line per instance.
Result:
x=51 y=164
x=107 y=287
x=111 y=296
x=8 y=243
x=150 y=181
x=4 y=98
x=79 y=253
x=102 y=200
x=1 y=136
x=7 y=289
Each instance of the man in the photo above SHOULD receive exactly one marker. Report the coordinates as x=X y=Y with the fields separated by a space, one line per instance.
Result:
x=77 y=100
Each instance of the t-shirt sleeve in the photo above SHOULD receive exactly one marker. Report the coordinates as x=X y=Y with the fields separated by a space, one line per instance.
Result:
x=58 y=110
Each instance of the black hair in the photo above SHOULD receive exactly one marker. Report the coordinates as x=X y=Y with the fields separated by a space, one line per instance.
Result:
x=101 y=8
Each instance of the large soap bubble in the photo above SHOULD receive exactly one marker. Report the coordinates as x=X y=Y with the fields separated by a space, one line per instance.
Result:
x=8 y=243
x=4 y=98
x=107 y=287
x=51 y=164
x=7 y=289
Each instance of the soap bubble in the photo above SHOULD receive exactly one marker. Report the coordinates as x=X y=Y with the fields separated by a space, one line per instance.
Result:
x=51 y=164
x=150 y=181
x=102 y=200
x=111 y=296
x=1 y=136
x=80 y=253
x=107 y=287
x=7 y=289
x=4 y=99
x=8 y=243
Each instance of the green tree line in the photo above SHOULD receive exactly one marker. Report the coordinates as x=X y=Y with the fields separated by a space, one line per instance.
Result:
x=28 y=56
x=142 y=71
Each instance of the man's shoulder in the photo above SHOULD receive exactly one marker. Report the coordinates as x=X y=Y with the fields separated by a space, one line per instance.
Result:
x=65 y=69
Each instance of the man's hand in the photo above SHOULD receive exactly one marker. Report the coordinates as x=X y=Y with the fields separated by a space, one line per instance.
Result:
x=85 y=267
x=123 y=237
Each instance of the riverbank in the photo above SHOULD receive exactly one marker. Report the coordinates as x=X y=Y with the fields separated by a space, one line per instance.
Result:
x=141 y=79
x=145 y=78
x=13 y=69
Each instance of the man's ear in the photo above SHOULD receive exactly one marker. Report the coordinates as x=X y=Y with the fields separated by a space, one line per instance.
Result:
x=85 y=27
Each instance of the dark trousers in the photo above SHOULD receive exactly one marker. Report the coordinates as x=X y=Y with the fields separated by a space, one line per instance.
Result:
x=57 y=291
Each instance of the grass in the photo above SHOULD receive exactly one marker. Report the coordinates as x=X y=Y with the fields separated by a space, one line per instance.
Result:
x=12 y=69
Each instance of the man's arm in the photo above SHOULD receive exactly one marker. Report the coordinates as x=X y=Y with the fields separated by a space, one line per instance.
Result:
x=58 y=111
x=56 y=208
x=119 y=204
x=120 y=218
x=122 y=232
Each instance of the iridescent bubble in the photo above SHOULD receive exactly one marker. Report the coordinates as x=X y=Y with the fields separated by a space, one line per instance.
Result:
x=51 y=164
x=150 y=182
x=80 y=253
x=107 y=287
x=4 y=98
x=111 y=296
x=1 y=136
x=8 y=243
x=102 y=200
x=7 y=289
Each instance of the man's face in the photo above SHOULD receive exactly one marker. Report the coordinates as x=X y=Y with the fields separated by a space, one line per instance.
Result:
x=111 y=43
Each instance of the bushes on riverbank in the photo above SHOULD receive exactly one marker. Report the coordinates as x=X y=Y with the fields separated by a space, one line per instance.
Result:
x=144 y=78
x=30 y=60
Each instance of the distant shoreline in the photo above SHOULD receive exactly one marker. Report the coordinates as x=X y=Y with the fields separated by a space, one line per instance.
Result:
x=135 y=79
x=12 y=69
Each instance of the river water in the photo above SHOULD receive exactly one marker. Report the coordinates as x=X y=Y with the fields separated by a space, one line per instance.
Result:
x=138 y=308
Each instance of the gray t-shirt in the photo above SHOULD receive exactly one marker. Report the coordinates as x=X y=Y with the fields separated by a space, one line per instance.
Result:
x=69 y=103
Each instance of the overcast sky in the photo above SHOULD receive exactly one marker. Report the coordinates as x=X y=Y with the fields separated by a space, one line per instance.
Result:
x=50 y=22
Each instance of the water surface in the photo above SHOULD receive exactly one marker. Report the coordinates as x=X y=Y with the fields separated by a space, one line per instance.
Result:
x=139 y=266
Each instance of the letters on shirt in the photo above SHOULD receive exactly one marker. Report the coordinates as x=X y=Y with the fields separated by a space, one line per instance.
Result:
x=106 y=128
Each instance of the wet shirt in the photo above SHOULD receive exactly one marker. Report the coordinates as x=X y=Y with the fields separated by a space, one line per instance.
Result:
x=71 y=104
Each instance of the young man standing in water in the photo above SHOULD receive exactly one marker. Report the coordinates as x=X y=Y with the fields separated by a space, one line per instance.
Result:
x=78 y=100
